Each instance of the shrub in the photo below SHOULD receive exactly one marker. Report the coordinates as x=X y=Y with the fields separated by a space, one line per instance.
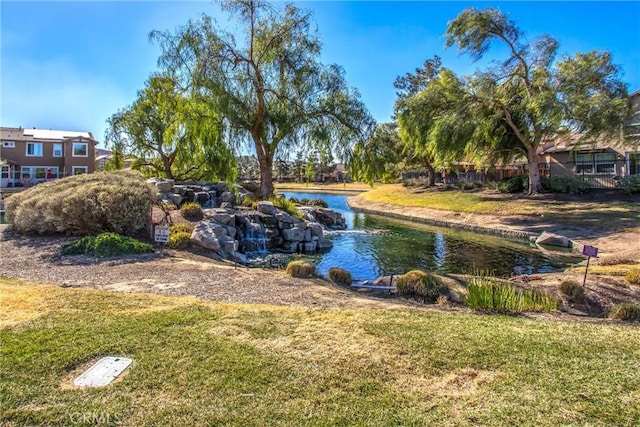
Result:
x=179 y=240
x=633 y=276
x=486 y=294
x=340 y=276
x=106 y=245
x=424 y=286
x=564 y=184
x=573 y=290
x=515 y=184
x=313 y=202
x=117 y=201
x=301 y=269
x=191 y=211
x=179 y=227
x=629 y=184
x=626 y=311
x=287 y=205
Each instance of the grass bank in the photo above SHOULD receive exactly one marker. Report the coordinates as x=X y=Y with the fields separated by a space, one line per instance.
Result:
x=334 y=187
x=213 y=364
x=585 y=210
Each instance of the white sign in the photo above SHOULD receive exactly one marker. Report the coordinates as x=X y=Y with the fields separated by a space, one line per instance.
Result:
x=161 y=234
x=103 y=372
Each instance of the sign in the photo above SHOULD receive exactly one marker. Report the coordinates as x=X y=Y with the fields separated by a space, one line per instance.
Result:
x=590 y=251
x=161 y=234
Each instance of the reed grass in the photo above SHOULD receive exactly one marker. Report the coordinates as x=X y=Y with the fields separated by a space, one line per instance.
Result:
x=487 y=294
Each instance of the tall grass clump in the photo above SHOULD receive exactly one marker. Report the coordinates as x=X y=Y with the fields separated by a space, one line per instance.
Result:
x=117 y=201
x=340 y=276
x=626 y=311
x=301 y=269
x=633 y=276
x=573 y=290
x=287 y=205
x=421 y=285
x=486 y=294
x=106 y=245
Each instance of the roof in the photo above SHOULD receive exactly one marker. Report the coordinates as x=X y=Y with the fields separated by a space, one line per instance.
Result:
x=44 y=134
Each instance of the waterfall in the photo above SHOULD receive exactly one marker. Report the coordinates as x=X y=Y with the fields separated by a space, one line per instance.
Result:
x=254 y=241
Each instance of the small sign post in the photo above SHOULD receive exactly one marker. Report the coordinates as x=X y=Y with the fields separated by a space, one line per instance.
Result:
x=588 y=251
x=161 y=234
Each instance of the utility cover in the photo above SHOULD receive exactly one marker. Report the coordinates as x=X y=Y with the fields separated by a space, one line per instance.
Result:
x=103 y=372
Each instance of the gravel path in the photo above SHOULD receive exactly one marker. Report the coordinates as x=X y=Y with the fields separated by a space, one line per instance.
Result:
x=37 y=259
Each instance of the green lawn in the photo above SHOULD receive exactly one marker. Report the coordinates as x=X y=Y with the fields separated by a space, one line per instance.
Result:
x=197 y=363
x=587 y=212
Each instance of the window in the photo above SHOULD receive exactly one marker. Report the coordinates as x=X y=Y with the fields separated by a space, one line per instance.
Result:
x=605 y=163
x=80 y=149
x=57 y=150
x=8 y=144
x=34 y=149
x=584 y=163
x=40 y=173
x=25 y=172
x=78 y=170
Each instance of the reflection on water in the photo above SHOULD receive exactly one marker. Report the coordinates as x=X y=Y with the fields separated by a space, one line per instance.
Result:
x=373 y=245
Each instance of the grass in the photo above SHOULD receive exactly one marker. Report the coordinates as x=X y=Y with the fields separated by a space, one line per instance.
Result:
x=486 y=294
x=582 y=213
x=198 y=363
x=324 y=187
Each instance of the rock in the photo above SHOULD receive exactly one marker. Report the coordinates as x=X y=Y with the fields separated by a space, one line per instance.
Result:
x=226 y=205
x=288 y=246
x=295 y=234
x=553 y=240
x=316 y=229
x=324 y=244
x=266 y=207
x=228 y=244
x=180 y=189
x=165 y=186
x=201 y=197
x=175 y=198
x=223 y=217
x=222 y=187
x=310 y=246
x=228 y=197
x=204 y=235
x=239 y=258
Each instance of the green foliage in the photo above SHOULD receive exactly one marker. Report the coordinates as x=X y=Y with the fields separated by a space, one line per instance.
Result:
x=191 y=211
x=118 y=201
x=573 y=290
x=171 y=134
x=181 y=227
x=340 y=276
x=486 y=294
x=633 y=276
x=287 y=205
x=379 y=157
x=301 y=269
x=106 y=245
x=565 y=184
x=515 y=184
x=421 y=285
x=309 y=202
x=629 y=184
x=268 y=81
x=626 y=311
x=179 y=240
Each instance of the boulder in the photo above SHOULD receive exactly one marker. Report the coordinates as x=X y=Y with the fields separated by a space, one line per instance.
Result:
x=201 y=197
x=324 y=244
x=551 y=239
x=175 y=198
x=239 y=258
x=295 y=234
x=204 y=235
x=228 y=197
x=223 y=217
x=266 y=207
x=165 y=186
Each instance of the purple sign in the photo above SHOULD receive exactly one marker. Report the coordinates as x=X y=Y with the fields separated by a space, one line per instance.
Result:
x=590 y=251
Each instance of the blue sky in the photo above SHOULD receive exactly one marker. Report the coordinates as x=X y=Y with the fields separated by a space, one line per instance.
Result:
x=70 y=65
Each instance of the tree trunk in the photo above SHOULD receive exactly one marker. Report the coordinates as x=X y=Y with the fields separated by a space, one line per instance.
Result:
x=265 y=160
x=535 y=185
x=432 y=173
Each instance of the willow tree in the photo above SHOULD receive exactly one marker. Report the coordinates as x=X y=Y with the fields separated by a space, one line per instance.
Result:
x=272 y=90
x=528 y=98
x=170 y=133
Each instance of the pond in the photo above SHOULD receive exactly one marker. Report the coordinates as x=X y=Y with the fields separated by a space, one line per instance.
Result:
x=373 y=246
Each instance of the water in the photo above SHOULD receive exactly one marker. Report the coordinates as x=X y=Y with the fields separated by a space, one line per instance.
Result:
x=255 y=241
x=374 y=245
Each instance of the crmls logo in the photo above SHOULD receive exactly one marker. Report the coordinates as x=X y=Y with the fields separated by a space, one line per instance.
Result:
x=93 y=418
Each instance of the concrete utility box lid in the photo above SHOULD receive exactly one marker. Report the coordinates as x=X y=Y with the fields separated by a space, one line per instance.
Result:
x=103 y=372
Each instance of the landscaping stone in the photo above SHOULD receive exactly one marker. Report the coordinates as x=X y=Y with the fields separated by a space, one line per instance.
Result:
x=553 y=240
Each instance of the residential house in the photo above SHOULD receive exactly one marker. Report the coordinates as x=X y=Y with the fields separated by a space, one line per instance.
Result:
x=30 y=156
